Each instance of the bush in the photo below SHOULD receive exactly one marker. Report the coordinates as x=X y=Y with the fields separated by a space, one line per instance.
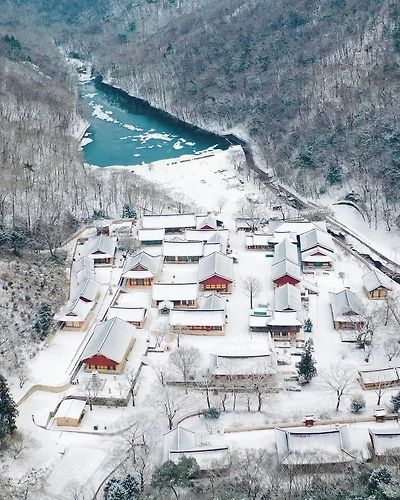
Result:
x=357 y=403
x=212 y=413
x=396 y=401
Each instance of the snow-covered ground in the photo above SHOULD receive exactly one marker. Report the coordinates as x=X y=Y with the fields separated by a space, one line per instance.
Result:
x=203 y=182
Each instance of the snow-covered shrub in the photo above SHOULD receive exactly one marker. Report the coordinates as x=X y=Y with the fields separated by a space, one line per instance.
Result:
x=396 y=402
x=358 y=403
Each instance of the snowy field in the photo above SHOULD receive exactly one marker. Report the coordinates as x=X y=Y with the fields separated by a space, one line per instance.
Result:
x=60 y=452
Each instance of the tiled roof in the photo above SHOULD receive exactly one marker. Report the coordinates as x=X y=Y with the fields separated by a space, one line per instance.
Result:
x=151 y=264
x=315 y=238
x=110 y=339
x=287 y=297
x=375 y=279
x=345 y=304
x=168 y=221
x=104 y=244
x=286 y=250
x=215 y=264
x=87 y=289
x=285 y=268
x=175 y=291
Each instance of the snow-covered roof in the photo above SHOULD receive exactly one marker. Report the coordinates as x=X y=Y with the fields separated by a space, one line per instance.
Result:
x=175 y=291
x=84 y=263
x=182 y=248
x=384 y=440
x=100 y=247
x=296 y=228
x=151 y=234
x=209 y=248
x=257 y=321
x=287 y=297
x=317 y=254
x=379 y=376
x=197 y=317
x=286 y=250
x=110 y=339
x=87 y=289
x=315 y=238
x=205 y=221
x=345 y=304
x=169 y=221
x=207 y=235
x=212 y=300
x=85 y=274
x=256 y=365
x=216 y=264
x=128 y=314
x=309 y=446
x=257 y=239
x=375 y=279
x=285 y=268
x=236 y=348
x=148 y=266
x=70 y=408
x=75 y=310
x=289 y=318
x=278 y=237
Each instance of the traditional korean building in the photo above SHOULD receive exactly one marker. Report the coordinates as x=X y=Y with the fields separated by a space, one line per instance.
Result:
x=377 y=284
x=75 y=315
x=287 y=298
x=380 y=377
x=285 y=272
x=314 y=446
x=206 y=223
x=384 y=441
x=172 y=223
x=87 y=291
x=198 y=321
x=316 y=249
x=70 y=413
x=257 y=241
x=286 y=250
x=347 y=310
x=180 y=294
x=148 y=237
x=134 y=315
x=181 y=251
x=141 y=269
x=216 y=273
x=101 y=249
x=109 y=346
x=285 y=326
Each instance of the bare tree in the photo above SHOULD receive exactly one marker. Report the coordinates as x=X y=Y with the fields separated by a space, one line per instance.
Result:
x=221 y=202
x=391 y=347
x=251 y=213
x=168 y=401
x=185 y=360
x=252 y=287
x=339 y=379
x=263 y=386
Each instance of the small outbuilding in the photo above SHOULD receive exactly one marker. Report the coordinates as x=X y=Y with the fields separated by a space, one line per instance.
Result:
x=377 y=284
x=257 y=241
x=75 y=315
x=70 y=413
x=101 y=250
x=347 y=310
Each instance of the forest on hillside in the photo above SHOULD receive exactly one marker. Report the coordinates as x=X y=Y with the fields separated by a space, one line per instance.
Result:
x=314 y=84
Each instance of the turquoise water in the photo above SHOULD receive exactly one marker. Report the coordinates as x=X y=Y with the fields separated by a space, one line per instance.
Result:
x=127 y=131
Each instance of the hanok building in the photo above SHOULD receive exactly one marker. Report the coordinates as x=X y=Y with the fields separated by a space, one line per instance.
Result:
x=75 y=315
x=285 y=272
x=218 y=240
x=259 y=319
x=287 y=299
x=257 y=241
x=141 y=269
x=377 y=284
x=316 y=249
x=206 y=223
x=84 y=269
x=149 y=237
x=179 y=250
x=101 y=249
x=180 y=294
x=286 y=250
x=216 y=273
x=198 y=321
x=285 y=326
x=312 y=446
x=379 y=378
x=347 y=310
x=134 y=315
x=242 y=360
x=109 y=346
x=385 y=441
x=87 y=291
x=172 y=223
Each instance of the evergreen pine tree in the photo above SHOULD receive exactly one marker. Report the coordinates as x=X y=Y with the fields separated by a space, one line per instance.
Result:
x=44 y=320
x=122 y=489
x=308 y=326
x=128 y=212
x=8 y=410
x=306 y=367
